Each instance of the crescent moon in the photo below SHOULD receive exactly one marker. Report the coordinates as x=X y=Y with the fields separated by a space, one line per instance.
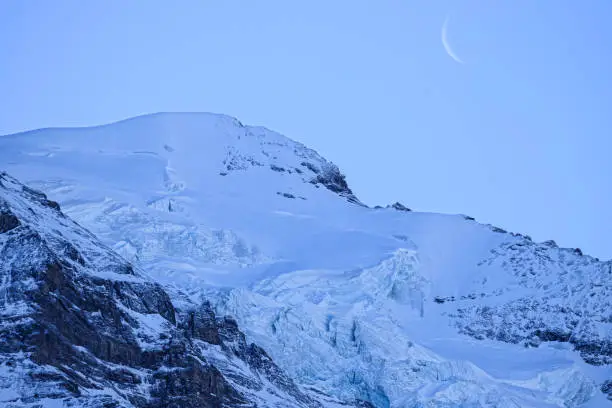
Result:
x=446 y=45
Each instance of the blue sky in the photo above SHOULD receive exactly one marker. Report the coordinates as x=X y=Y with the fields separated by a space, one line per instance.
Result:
x=518 y=136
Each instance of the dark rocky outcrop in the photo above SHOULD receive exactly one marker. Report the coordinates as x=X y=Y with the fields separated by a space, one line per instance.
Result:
x=606 y=388
x=550 y=243
x=8 y=221
x=331 y=178
x=400 y=207
x=277 y=168
x=311 y=167
x=201 y=323
x=41 y=198
x=193 y=386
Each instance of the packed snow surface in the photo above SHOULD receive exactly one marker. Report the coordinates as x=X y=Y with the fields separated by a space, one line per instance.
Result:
x=399 y=308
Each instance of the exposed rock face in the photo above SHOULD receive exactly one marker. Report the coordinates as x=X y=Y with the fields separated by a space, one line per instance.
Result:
x=8 y=221
x=606 y=388
x=79 y=325
x=571 y=311
x=400 y=207
x=39 y=197
x=332 y=179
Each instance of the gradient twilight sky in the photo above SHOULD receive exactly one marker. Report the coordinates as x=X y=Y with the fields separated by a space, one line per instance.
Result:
x=519 y=136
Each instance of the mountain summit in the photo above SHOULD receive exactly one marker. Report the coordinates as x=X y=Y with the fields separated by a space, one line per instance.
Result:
x=383 y=305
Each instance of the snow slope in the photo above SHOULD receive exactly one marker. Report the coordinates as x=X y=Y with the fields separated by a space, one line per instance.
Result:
x=398 y=308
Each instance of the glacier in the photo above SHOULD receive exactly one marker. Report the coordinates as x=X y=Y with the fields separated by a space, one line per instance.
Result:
x=82 y=327
x=385 y=305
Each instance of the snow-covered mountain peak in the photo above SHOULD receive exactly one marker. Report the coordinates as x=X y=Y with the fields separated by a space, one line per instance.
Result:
x=386 y=305
x=190 y=150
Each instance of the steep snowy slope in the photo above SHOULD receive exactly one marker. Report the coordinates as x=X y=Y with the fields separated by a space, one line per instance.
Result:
x=386 y=305
x=80 y=327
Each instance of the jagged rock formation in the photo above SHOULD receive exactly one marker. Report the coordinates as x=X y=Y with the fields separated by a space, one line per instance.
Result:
x=570 y=308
